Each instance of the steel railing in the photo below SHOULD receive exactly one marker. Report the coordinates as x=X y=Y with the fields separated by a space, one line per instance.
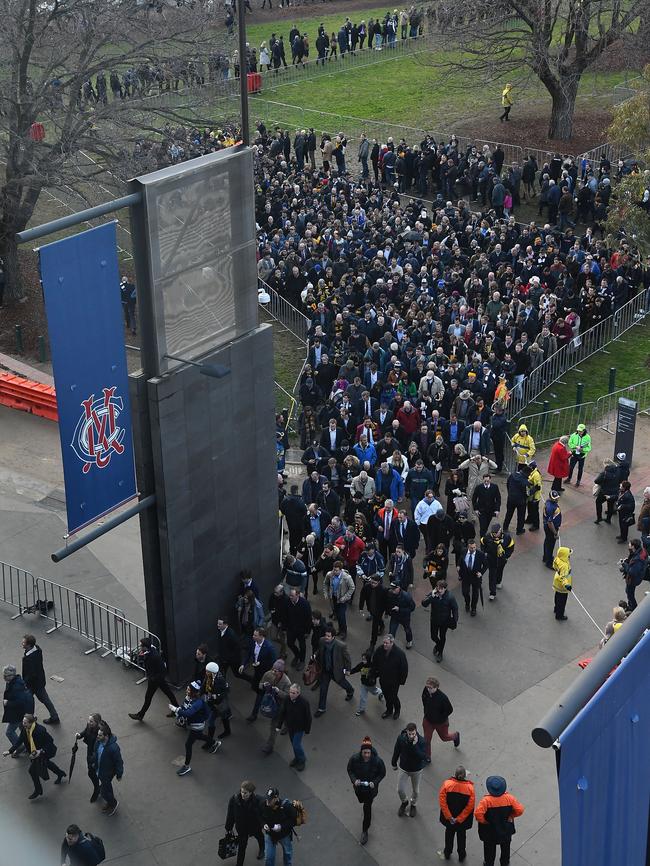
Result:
x=575 y=352
x=282 y=311
x=103 y=625
x=605 y=407
x=549 y=426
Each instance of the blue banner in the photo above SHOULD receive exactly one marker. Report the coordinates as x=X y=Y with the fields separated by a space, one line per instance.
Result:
x=81 y=284
x=604 y=762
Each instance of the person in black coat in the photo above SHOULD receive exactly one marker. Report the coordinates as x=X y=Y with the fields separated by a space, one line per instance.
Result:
x=295 y=713
x=625 y=507
x=89 y=737
x=228 y=653
x=201 y=660
x=366 y=770
x=245 y=816
x=298 y=625
x=486 y=502
x=107 y=760
x=390 y=666
x=444 y=616
x=437 y=709
x=295 y=512
x=17 y=700
x=404 y=531
x=34 y=676
x=517 y=485
x=471 y=568
x=40 y=746
x=261 y=655
x=155 y=669
x=79 y=849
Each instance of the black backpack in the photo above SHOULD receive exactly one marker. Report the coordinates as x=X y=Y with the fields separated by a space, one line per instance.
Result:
x=98 y=847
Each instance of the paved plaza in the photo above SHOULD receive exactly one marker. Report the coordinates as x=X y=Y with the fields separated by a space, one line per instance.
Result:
x=502 y=671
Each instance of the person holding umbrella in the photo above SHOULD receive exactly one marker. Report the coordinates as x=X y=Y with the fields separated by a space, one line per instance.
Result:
x=89 y=737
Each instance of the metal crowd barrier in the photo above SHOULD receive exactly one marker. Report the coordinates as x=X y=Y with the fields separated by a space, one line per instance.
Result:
x=605 y=408
x=575 y=351
x=549 y=426
x=282 y=311
x=103 y=625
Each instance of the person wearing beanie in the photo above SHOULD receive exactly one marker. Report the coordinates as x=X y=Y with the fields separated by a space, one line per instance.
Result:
x=558 y=463
x=278 y=684
x=215 y=693
x=562 y=580
x=579 y=445
x=279 y=817
x=552 y=522
x=366 y=770
x=496 y=815
x=457 y=800
x=194 y=714
x=245 y=816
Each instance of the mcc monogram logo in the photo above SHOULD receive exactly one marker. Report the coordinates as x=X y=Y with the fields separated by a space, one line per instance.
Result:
x=97 y=435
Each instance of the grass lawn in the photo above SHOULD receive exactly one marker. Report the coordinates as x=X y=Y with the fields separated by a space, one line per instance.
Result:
x=289 y=354
x=630 y=355
x=258 y=33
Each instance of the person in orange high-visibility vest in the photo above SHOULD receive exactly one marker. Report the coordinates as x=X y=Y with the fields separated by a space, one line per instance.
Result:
x=496 y=815
x=457 y=799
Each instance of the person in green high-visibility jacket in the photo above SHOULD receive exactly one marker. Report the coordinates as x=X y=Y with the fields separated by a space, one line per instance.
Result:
x=579 y=446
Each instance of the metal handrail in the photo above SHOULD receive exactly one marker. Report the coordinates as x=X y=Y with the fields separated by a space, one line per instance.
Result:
x=605 y=408
x=576 y=351
x=549 y=426
x=103 y=625
x=284 y=312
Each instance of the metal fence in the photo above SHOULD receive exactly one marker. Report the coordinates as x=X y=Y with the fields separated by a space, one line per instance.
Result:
x=577 y=350
x=605 y=406
x=102 y=624
x=549 y=426
x=282 y=311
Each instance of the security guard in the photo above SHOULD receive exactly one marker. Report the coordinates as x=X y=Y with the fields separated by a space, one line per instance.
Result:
x=534 y=496
x=562 y=581
x=552 y=523
x=579 y=446
x=523 y=445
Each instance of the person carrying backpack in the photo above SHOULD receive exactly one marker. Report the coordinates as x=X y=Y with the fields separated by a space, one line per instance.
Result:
x=81 y=849
x=279 y=817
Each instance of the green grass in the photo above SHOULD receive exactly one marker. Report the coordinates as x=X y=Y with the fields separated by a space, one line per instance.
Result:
x=630 y=355
x=257 y=33
x=288 y=356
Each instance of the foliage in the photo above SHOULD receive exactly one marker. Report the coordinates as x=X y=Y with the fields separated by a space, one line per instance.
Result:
x=631 y=125
x=629 y=212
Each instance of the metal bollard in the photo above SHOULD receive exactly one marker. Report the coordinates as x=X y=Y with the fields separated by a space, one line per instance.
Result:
x=19 y=338
x=42 y=354
x=612 y=380
x=545 y=408
x=580 y=394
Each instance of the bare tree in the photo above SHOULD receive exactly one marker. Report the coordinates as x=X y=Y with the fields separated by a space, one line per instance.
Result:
x=555 y=40
x=56 y=60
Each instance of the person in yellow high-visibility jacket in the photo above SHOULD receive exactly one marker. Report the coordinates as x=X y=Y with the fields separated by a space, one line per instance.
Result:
x=506 y=102
x=523 y=445
x=562 y=580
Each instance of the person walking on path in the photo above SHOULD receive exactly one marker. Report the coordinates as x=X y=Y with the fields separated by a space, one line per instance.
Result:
x=558 y=463
x=443 y=616
x=295 y=713
x=17 y=701
x=34 y=676
x=338 y=586
x=245 y=816
x=410 y=754
x=368 y=681
x=194 y=714
x=154 y=667
x=506 y=102
x=534 y=496
x=517 y=487
x=335 y=664
x=471 y=568
x=400 y=607
x=278 y=820
x=437 y=709
x=261 y=655
x=625 y=506
x=486 y=502
x=562 y=581
x=109 y=765
x=366 y=770
x=278 y=684
x=498 y=546
x=81 y=849
x=523 y=445
x=215 y=694
x=579 y=445
x=89 y=737
x=457 y=800
x=496 y=815
x=552 y=520
x=390 y=665
x=634 y=569
x=41 y=748
x=606 y=487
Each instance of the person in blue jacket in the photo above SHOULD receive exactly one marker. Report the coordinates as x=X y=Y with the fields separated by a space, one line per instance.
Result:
x=194 y=714
x=17 y=701
x=108 y=766
x=389 y=482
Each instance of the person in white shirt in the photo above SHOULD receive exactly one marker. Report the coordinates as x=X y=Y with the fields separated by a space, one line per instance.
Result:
x=426 y=509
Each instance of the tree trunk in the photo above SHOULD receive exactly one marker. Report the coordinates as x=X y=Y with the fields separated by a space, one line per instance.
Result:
x=564 y=101
x=14 y=290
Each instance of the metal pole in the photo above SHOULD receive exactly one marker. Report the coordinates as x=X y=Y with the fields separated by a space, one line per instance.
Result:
x=612 y=379
x=75 y=219
x=580 y=394
x=148 y=344
x=546 y=732
x=110 y=524
x=243 y=74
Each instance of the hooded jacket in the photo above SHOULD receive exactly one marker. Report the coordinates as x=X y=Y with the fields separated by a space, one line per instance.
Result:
x=608 y=480
x=110 y=763
x=562 y=566
x=19 y=701
x=524 y=445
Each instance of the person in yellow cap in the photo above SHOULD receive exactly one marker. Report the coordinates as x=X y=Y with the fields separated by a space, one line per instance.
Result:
x=523 y=445
x=579 y=446
x=506 y=102
x=562 y=580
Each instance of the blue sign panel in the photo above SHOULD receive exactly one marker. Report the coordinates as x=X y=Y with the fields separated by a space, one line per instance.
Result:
x=82 y=299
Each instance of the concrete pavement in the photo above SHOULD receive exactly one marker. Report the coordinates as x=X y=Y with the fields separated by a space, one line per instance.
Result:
x=501 y=671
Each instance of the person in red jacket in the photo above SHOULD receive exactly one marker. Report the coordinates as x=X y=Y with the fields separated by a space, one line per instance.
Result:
x=558 y=463
x=351 y=547
x=496 y=815
x=409 y=419
x=457 y=800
